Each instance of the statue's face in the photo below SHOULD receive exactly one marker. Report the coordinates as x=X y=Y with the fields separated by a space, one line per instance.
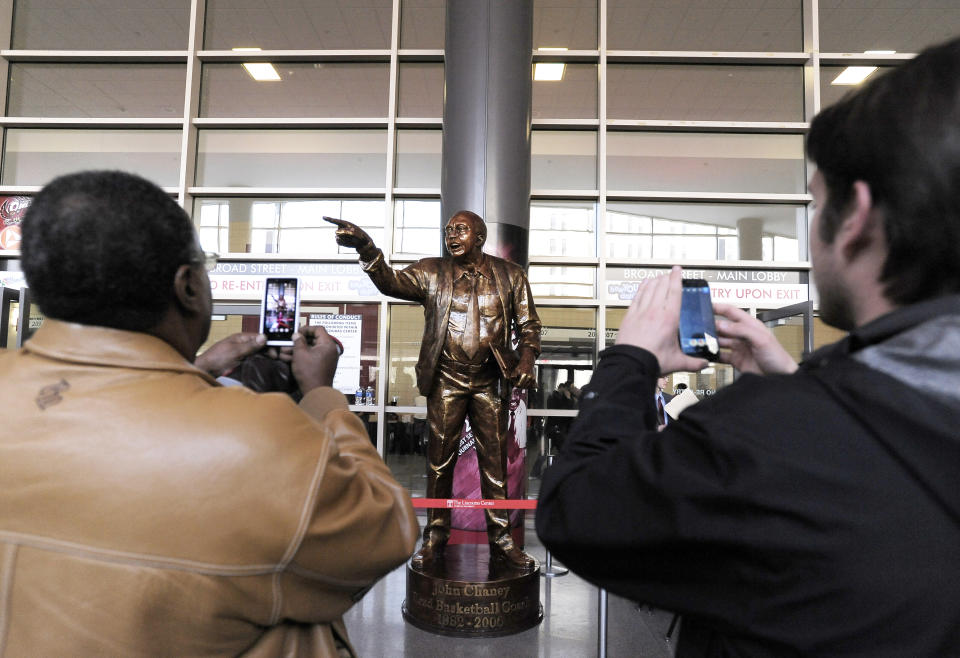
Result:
x=462 y=238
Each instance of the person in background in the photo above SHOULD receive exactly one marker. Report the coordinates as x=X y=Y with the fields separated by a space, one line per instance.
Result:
x=557 y=426
x=145 y=509
x=662 y=398
x=809 y=511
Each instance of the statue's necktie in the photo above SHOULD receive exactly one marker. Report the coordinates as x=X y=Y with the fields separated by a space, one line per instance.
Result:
x=471 y=328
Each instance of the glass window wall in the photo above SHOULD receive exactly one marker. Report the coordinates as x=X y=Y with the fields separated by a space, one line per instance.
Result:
x=292 y=24
x=301 y=89
x=121 y=25
x=420 y=90
x=35 y=156
x=563 y=228
x=573 y=96
x=705 y=162
x=568 y=343
x=565 y=365
x=734 y=26
x=562 y=282
x=563 y=160
x=417 y=227
x=406 y=335
x=96 y=90
x=570 y=24
x=289 y=227
x=705 y=92
x=699 y=231
x=292 y=158
x=422 y=24
x=418 y=158
x=406 y=432
x=853 y=27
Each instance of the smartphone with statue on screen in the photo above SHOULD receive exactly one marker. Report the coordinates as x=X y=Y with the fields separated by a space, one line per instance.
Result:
x=280 y=310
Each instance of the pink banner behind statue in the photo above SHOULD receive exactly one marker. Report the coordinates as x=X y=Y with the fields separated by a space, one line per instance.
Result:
x=468 y=526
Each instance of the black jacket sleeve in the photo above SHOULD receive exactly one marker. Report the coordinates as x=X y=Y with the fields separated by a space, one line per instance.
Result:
x=675 y=518
x=785 y=514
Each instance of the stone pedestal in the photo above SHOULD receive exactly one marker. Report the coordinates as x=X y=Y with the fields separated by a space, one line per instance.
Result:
x=463 y=596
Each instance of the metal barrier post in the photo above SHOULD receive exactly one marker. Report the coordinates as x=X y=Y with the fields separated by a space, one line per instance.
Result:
x=602 y=624
x=547 y=570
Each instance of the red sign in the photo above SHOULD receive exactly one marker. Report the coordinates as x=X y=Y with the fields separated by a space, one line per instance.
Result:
x=11 y=212
x=12 y=209
x=10 y=237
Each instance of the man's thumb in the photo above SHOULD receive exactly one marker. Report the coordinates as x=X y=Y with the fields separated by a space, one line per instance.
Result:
x=253 y=343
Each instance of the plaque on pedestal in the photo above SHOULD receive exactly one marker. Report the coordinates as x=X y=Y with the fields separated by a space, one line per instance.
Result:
x=463 y=596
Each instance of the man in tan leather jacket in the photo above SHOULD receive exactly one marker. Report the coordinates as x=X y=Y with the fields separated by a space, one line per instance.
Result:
x=146 y=510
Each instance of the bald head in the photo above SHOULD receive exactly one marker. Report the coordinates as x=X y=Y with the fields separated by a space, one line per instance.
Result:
x=479 y=226
x=464 y=236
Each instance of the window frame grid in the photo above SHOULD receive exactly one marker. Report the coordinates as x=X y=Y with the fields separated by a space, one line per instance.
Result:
x=194 y=57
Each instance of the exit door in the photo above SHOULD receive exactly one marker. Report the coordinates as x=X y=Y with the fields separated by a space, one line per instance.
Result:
x=16 y=325
x=9 y=317
x=793 y=327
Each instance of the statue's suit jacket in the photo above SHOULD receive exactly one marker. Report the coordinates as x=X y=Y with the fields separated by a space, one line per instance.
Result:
x=430 y=282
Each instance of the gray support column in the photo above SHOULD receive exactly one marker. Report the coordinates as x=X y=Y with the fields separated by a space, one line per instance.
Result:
x=486 y=118
x=750 y=237
x=239 y=230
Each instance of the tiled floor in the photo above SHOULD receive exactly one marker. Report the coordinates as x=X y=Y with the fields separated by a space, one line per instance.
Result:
x=569 y=627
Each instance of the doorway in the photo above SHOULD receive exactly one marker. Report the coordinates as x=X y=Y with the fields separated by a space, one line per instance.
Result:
x=793 y=327
x=18 y=319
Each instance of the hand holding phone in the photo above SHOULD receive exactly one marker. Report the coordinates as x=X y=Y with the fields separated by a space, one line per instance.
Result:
x=280 y=310
x=750 y=345
x=651 y=323
x=226 y=354
x=315 y=356
x=697 y=331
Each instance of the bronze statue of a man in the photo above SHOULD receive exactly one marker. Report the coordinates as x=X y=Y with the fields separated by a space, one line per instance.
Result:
x=472 y=302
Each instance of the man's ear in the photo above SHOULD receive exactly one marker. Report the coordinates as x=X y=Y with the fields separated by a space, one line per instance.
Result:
x=188 y=289
x=859 y=228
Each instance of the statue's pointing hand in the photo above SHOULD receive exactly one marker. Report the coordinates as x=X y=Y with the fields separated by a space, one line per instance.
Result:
x=351 y=235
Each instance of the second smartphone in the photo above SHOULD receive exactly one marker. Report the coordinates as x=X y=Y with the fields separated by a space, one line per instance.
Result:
x=280 y=309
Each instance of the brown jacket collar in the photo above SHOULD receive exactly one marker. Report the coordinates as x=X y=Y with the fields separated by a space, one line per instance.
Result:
x=82 y=343
x=484 y=267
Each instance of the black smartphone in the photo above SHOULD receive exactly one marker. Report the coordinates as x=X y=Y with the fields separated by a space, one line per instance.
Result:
x=280 y=309
x=698 y=332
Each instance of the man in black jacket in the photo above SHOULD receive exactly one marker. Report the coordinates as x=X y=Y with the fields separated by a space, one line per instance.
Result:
x=811 y=510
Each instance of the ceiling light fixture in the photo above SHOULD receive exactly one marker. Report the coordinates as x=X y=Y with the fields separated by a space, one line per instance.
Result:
x=549 y=71
x=259 y=71
x=853 y=75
